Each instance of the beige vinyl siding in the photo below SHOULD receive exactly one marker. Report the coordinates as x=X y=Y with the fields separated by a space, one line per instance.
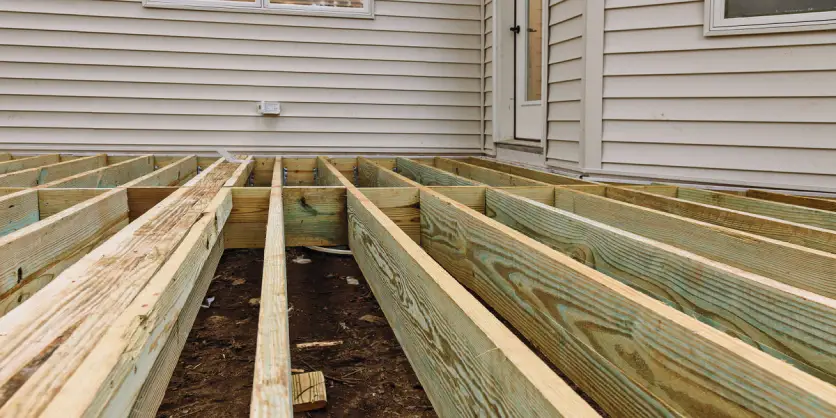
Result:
x=751 y=108
x=565 y=78
x=489 y=11
x=112 y=75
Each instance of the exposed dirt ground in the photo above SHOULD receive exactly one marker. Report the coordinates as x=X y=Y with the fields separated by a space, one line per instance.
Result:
x=366 y=376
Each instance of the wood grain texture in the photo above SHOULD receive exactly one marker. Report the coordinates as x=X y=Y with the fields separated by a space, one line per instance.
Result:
x=787 y=263
x=467 y=361
x=793 y=325
x=371 y=174
x=309 y=392
x=484 y=175
x=142 y=199
x=278 y=173
x=271 y=381
x=52 y=201
x=806 y=201
x=96 y=292
x=110 y=176
x=538 y=175
x=49 y=173
x=240 y=177
x=18 y=210
x=315 y=216
x=788 y=212
x=470 y=196
x=622 y=347
x=33 y=256
x=804 y=235
x=431 y=176
x=170 y=175
x=153 y=389
x=10 y=166
x=401 y=205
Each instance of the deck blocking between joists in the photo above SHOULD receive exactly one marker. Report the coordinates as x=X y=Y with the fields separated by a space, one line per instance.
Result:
x=654 y=300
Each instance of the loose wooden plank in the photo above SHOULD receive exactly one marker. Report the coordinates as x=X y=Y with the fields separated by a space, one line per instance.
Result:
x=308 y=392
x=49 y=173
x=793 y=325
x=787 y=263
x=806 y=201
x=153 y=389
x=315 y=216
x=52 y=201
x=401 y=205
x=170 y=175
x=798 y=214
x=33 y=256
x=633 y=354
x=468 y=362
x=431 y=176
x=804 y=235
x=10 y=166
x=96 y=291
x=538 y=175
x=271 y=381
x=110 y=176
x=142 y=199
x=485 y=175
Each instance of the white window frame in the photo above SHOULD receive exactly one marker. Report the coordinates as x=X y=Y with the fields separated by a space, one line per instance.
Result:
x=716 y=22
x=265 y=6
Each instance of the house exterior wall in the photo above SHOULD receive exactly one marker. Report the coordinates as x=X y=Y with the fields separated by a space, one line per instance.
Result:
x=566 y=25
x=111 y=75
x=750 y=109
x=488 y=84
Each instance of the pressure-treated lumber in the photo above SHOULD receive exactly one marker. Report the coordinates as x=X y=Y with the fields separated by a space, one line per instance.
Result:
x=50 y=368
x=49 y=173
x=315 y=216
x=110 y=176
x=53 y=201
x=242 y=174
x=401 y=205
x=170 y=175
x=467 y=361
x=794 y=325
x=484 y=175
x=805 y=235
x=634 y=355
x=247 y=223
x=431 y=176
x=271 y=382
x=791 y=264
x=793 y=213
x=10 y=166
x=806 y=201
x=543 y=176
x=142 y=199
x=309 y=392
x=153 y=389
x=32 y=257
x=278 y=173
x=371 y=174
x=17 y=210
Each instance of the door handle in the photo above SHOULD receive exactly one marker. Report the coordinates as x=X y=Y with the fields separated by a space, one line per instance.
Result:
x=515 y=29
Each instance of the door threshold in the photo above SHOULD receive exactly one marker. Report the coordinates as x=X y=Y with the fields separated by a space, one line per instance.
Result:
x=534 y=147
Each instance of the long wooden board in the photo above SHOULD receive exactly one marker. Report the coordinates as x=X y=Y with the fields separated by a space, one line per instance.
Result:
x=634 y=355
x=793 y=325
x=271 y=381
x=17 y=164
x=485 y=175
x=96 y=291
x=49 y=173
x=110 y=176
x=806 y=201
x=469 y=363
x=538 y=175
x=170 y=175
x=431 y=176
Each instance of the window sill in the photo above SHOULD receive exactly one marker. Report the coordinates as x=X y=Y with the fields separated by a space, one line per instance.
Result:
x=156 y=4
x=766 y=29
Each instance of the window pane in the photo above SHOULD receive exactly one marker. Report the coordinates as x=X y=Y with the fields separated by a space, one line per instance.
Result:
x=534 y=50
x=752 y=8
x=325 y=3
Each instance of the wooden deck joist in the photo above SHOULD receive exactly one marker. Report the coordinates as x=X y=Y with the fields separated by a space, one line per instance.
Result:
x=473 y=249
x=23 y=163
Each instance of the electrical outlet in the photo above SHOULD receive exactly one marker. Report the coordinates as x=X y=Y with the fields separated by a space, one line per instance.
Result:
x=269 y=108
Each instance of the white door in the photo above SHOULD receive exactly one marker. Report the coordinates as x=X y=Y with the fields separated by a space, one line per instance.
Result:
x=529 y=65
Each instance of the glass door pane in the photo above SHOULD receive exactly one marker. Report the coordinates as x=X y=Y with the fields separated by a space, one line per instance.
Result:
x=534 y=50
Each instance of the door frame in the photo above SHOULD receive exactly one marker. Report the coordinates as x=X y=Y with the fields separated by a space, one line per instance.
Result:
x=504 y=66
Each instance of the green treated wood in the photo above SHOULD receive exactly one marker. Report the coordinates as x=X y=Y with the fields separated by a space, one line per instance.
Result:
x=170 y=175
x=18 y=210
x=24 y=163
x=372 y=174
x=113 y=175
x=49 y=173
x=806 y=201
x=805 y=235
x=485 y=175
x=430 y=176
x=787 y=263
x=791 y=324
x=798 y=214
x=315 y=216
x=538 y=175
x=634 y=355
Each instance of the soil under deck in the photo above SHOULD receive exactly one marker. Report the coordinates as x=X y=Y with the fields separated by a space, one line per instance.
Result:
x=367 y=376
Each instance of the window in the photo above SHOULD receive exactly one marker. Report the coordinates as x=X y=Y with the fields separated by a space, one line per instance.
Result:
x=729 y=17
x=347 y=8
